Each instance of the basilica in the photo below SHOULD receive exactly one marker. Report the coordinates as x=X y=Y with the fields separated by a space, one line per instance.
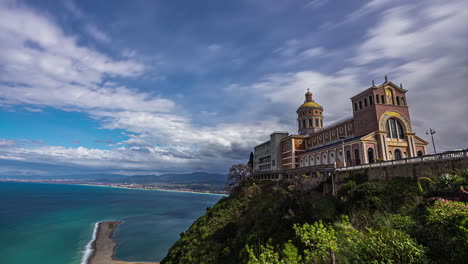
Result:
x=378 y=130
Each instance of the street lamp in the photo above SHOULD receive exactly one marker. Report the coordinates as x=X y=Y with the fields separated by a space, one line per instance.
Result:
x=432 y=132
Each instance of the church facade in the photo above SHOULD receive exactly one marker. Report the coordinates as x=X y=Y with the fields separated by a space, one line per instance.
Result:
x=378 y=130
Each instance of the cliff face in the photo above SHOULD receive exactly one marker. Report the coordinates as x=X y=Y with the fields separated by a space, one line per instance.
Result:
x=293 y=223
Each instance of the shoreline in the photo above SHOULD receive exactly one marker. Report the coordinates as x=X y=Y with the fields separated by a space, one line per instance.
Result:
x=113 y=186
x=103 y=246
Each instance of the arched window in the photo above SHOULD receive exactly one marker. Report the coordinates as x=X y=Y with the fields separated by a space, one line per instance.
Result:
x=299 y=123
x=377 y=99
x=370 y=155
x=348 y=158
x=370 y=99
x=389 y=95
x=420 y=153
x=355 y=107
x=365 y=102
x=397 y=154
x=357 y=159
x=394 y=129
x=382 y=99
x=303 y=123
x=402 y=101
x=398 y=100
x=360 y=105
x=316 y=122
x=310 y=122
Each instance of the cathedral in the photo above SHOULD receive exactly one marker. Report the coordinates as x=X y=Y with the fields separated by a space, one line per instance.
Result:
x=378 y=130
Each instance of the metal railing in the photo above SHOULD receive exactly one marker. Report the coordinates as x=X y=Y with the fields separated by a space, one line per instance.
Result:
x=449 y=155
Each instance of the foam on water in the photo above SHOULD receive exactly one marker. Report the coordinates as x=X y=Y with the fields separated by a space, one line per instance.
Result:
x=88 y=252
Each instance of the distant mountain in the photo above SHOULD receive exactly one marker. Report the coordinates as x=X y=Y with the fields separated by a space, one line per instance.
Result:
x=191 y=178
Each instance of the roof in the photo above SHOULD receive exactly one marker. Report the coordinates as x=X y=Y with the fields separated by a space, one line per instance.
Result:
x=309 y=105
x=379 y=86
x=337 y=143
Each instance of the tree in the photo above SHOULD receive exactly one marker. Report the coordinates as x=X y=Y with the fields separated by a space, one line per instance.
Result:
x=251 y=160
x=239 y=175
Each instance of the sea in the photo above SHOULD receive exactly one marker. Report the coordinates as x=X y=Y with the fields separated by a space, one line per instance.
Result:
x=54 y=223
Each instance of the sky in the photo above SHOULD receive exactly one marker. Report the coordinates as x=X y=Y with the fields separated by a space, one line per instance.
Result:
x=151 y=87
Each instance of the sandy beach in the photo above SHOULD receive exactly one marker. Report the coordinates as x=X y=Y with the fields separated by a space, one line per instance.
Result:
x=104 y=246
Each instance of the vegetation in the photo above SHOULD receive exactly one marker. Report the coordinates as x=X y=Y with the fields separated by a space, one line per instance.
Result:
x=292 y=222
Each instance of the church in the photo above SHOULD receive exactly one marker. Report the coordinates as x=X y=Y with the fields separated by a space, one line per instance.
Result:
x=378 y=130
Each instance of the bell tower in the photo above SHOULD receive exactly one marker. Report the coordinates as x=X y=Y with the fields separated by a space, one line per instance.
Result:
x=309 y=116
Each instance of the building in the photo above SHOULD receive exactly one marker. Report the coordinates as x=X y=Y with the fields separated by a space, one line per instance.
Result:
x=378 y=130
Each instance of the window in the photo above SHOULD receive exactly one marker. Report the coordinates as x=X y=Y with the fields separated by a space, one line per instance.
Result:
x=377 y=99
x=316 y=112
x=365 y=102
x=382 y=97
x=370 y=99
x=360 y=105
x=355 y=106
x=394 y=129
x=397 y=154
x=420 y=153
x=320 y=137
x=398 y=100
x=310 y=112
x=350 y=127
x=310 y=122
x=321 y=123
x=370 y=155
x=303 y=123
x=316 y=122
x=402 y=101
x=341 y=129
x=333 y=132
x=389 y=95
x=357 y=159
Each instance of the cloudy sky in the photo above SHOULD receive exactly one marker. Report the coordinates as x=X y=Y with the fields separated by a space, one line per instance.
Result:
x=148 y=87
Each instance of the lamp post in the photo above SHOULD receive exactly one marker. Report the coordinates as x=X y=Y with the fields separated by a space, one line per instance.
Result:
x=432 y=132
x=342 y=150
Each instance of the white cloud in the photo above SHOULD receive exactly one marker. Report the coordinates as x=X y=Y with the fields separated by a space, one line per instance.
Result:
x=316 y=3
x=96 y=33
x=7 y=143
x=425 y=45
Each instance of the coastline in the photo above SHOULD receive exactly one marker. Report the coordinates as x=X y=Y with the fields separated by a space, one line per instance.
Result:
x=114 y=186
x=103 y=246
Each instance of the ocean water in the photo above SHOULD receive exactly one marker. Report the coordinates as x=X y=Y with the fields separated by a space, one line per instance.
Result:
x=53 y=223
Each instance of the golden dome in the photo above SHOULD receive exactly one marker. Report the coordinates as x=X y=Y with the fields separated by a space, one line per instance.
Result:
x=310 y=104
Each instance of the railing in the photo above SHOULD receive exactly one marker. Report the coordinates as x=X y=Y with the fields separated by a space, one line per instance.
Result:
x=450 y=155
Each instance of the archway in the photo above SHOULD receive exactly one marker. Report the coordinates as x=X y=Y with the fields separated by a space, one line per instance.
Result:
x=397 y=154
x=357 y=159
x=348 y=158
x=370 y=155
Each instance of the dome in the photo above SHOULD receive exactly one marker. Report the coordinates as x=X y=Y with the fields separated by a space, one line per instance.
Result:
x=309 y=105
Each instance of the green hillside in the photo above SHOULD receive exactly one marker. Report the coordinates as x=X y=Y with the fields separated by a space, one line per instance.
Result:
x=368 y=222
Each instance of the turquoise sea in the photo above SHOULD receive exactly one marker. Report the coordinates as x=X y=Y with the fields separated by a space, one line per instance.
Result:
x=53 y=223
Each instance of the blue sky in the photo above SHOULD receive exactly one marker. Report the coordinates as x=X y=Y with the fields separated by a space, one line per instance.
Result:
x=148 y=87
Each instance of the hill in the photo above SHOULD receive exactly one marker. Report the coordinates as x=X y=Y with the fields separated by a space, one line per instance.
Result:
x=292 y=222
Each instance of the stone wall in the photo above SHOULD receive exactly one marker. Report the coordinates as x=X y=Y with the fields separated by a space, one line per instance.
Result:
x=411 y=170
